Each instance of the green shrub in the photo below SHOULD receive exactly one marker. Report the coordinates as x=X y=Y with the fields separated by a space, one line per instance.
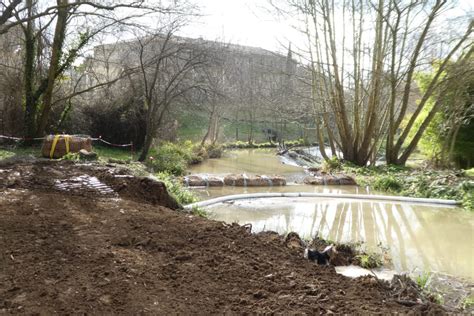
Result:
x=423 y=279
x=298 y=142
x=394 y=168
x=197 y=211
x=199 y=155
x=237 y=144
x=469 y=172
x=434 y=187
x=171 y=158
x=387 y=183
x=240 y=144
x=263 y=145
x=468 y=196
x=332 y=164
x=4 y=154
x=71 y=157
x=350 y=167
x=176 y=189
x=424 y=183
x=369 y=260
x=467 y=302
x=214 y=151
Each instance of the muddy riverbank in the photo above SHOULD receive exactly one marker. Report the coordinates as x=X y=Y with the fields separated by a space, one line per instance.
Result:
x=120 y=252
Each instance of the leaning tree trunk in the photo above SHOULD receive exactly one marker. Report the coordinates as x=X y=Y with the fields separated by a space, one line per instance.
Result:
x=216 y=131
x=211 y=126
x=322 y=148
x=149 y=131
x=146 y=146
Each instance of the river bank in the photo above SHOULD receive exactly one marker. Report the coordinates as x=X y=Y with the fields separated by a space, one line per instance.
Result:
x=415 y=236
x=418 y=181
x=105 y=247
x=266 y=159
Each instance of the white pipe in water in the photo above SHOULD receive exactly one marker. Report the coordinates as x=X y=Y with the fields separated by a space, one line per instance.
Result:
x=362 y=197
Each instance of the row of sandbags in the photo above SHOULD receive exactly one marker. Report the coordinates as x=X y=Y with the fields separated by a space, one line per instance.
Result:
x=238 y=180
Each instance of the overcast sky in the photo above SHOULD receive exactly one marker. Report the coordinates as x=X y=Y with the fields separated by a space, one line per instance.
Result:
x=244 y=22
x=247 y=22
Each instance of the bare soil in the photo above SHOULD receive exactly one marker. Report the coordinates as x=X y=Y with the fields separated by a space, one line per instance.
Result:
x=81 y=246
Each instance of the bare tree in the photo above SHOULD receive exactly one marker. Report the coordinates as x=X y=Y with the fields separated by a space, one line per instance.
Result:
x=13 y=13
x=11 y=115
x=54 y=38
x=167 y=67
x=213 y=102
x=363 y=69
x=6 y=10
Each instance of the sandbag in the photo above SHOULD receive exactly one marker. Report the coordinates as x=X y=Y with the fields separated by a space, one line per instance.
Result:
x=328 y=179
x=240 y=180
x=201 y=181
x=63 y=145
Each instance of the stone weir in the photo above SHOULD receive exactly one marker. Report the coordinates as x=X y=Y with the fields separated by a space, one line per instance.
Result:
x=238 y=180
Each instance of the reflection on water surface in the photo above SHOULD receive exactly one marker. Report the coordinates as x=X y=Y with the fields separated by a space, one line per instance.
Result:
x=251 y=161
x=429 y=238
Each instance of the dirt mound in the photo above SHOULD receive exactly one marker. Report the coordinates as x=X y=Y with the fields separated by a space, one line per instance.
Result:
x=99 y=254
x=85 y=180
x=143 y=189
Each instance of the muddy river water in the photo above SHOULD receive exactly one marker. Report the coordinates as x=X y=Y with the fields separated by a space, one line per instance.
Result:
x=419 y=237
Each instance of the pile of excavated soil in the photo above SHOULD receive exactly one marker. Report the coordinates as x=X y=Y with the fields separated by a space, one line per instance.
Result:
x=104 y=246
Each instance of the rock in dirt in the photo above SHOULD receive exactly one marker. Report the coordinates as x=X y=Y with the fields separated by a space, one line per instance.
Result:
x=87 y=155
x=293 y=241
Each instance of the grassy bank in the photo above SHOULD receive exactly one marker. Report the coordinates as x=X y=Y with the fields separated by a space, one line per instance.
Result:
x=35 y=151
x=247 y=145
x=417 y=182
x=193 y=126
x=11 y=152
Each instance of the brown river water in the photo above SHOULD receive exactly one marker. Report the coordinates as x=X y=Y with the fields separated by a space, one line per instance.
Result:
x=419 y=237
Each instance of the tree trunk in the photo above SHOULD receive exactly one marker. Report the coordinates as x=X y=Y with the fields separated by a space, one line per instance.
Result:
x=59 y=35
x=146 y=146
x=216 y=130
x=411 y=147
x=30 y=100
x=322 y=148
x=212 y=132
x=453 y=142
x=427 y=94
x=149 y=131
x=330 y=135
x=250 y=137
x=236 y=126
